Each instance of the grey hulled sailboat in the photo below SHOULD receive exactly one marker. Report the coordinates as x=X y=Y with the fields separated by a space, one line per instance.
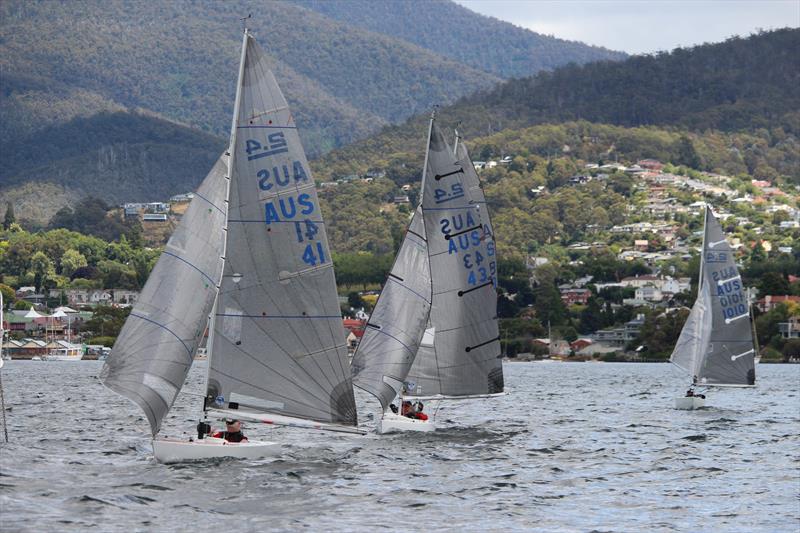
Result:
x=716 y=346
x=434 y=330
x=252 y=253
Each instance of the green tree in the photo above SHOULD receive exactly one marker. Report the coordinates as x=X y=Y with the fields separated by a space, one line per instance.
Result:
x=791 y=350
x=9 y=218
x=71 y=261
x=42 y=268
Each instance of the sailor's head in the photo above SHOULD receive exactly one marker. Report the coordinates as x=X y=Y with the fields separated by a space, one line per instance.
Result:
x=233 y=425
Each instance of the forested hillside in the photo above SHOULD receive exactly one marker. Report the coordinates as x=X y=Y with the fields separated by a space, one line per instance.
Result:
x=456 y=32
x=740 y=85
x=117 y=156
x=178 y=58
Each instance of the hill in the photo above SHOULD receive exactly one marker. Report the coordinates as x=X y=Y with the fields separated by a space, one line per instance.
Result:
x=117 y=156
x=178 y=59
x=738 y=85
x=455 y=32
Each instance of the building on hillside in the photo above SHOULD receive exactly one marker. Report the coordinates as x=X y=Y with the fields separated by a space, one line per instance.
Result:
x=790 y=329
x=770 y=302
x=355 y=330
x=124 y=296
x=185 y=197
x=651 y=164
x=575 y=296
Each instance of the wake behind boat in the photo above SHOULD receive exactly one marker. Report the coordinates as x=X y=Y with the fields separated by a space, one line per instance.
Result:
x=716 y=346
x=251 y=252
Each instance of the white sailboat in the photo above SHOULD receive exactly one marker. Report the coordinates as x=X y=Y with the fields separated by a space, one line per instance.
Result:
x=251 y=252
x=434 y=331
x=716 y=346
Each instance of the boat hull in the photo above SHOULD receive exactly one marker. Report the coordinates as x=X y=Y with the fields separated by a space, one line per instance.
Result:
x=688 y=403
x=177 y=451
x=392 y=423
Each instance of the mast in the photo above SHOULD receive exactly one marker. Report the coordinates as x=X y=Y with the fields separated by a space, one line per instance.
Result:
x=231 y=151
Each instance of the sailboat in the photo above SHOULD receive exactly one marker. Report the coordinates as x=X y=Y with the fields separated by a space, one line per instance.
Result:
x=716 y=346
x=251 y=258
x=433 y=333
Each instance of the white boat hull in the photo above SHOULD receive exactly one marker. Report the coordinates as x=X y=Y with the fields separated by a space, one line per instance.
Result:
x=51 y=357
x=176 y=451
x=687 y=403
x=391 y=423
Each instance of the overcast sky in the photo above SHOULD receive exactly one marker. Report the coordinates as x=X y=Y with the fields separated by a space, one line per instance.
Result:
x=642 y=26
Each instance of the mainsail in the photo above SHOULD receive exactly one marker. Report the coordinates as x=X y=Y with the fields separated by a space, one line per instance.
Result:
x=464 y=357
x=717 y=339
x=395 y=328
x=278 y=342
x=153 y=352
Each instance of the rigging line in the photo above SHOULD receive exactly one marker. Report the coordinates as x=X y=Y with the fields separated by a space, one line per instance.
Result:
x=209 y=201
x=412 y=352
x=408 y=289
x=251 y=260
x=166 y=328
x=292 y=361
x=273 y=393
x=191 y=265
x=470 y=348
x=300 y=339
x=279 y=374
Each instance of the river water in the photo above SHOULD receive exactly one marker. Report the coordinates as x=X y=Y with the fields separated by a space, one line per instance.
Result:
x=574 y=447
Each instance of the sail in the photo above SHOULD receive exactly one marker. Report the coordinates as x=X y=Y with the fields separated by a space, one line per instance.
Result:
x=153 y=352
x=278 y=340
x=730 y=356
x=465 y=356
x=395 y=328
x=694 y=336
x=475 y=189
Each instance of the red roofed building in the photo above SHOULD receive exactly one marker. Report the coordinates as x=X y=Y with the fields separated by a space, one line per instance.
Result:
x=769 y=302
x=575 y=296
x=355 y=330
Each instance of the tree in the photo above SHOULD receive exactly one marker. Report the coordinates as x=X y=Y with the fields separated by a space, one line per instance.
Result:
x=773 y=283
x=42 y=269
x=71 y=261
x=354 y=300
x=9 y=218
x=791 y=350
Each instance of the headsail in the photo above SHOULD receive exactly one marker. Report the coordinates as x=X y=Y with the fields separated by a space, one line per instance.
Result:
x=694 y=336
x=395 y=328
x=278 y=341
x=153 y=352
x=730 y=355
x=465 y=357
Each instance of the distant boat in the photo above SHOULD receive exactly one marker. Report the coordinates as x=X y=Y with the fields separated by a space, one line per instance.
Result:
x=251 y=251
x=716 y=346
x=433 y=333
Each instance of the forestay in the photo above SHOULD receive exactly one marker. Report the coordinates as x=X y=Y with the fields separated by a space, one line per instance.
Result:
x=395 y=328
x=464 y=358
x=730 y=355
x=153 y=352
x=278 y=340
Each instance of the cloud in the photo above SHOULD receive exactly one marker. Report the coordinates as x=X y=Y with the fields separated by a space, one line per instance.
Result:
x=643 y=26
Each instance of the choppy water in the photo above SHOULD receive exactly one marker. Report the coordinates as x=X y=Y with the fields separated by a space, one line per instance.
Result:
x=574 y=447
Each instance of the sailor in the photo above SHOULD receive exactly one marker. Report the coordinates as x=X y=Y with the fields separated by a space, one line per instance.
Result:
x=407 y=409
x=418 y=414
x=232 y=433
x=690 y=392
